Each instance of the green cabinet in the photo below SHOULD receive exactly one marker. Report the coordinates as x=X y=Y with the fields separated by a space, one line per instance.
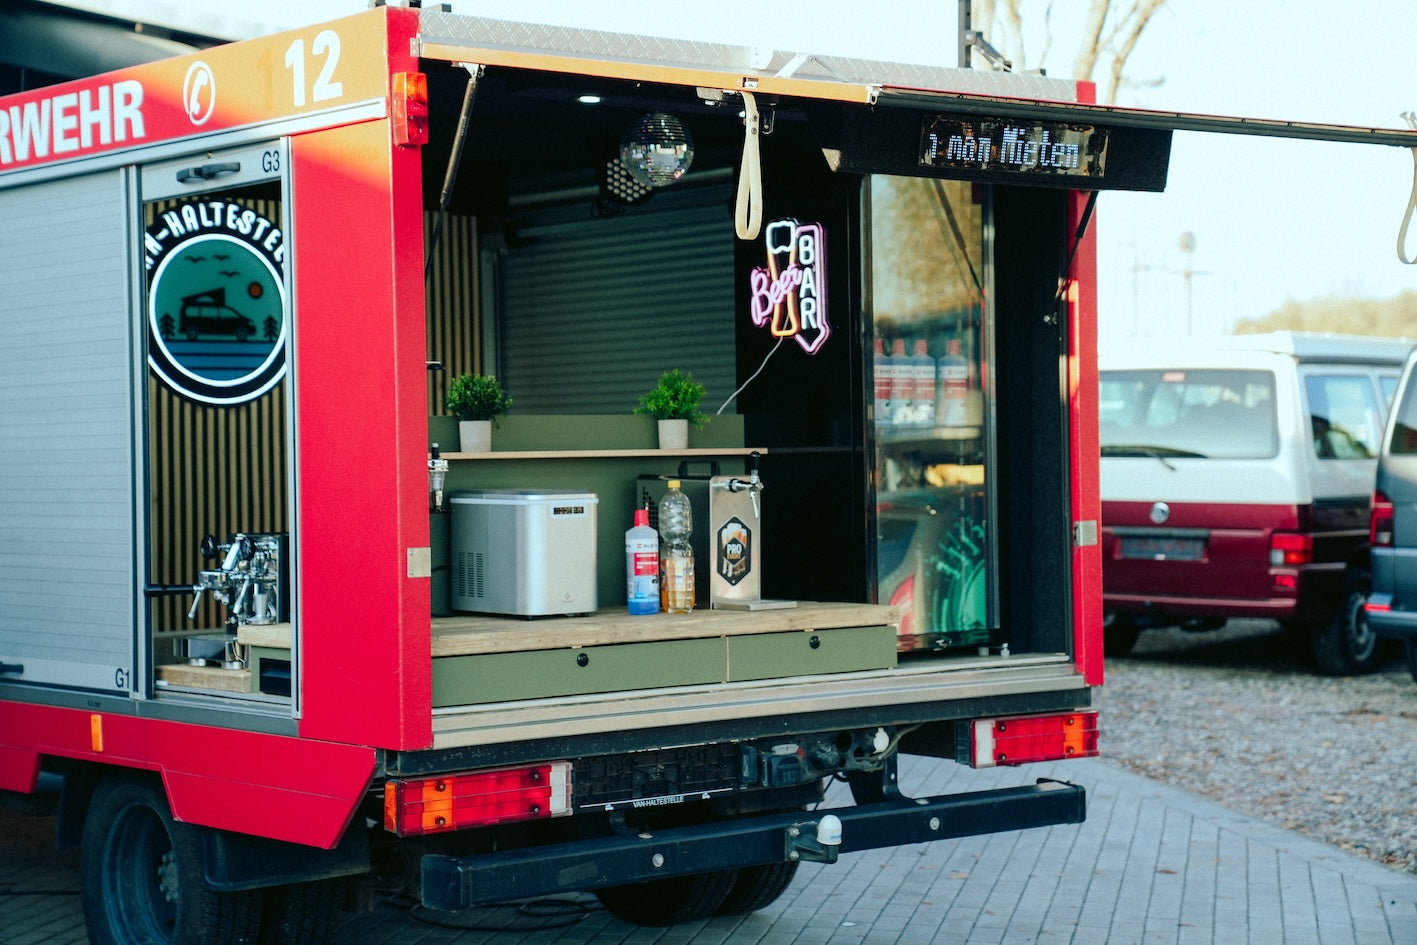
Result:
x=569 y=671
x=486 y=677
x=808 y=652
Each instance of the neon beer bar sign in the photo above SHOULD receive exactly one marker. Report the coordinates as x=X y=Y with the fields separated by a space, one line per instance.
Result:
x=789 y=294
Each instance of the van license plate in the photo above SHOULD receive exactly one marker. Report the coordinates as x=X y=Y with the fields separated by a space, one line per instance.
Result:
x=1161 y=548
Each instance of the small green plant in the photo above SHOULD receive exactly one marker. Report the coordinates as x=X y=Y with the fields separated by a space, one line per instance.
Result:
x=675 y=397
x=477 y=397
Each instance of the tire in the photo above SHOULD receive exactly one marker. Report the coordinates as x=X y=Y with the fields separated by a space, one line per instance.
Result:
x=670 y=901
x=1410 y=649
x=758 y=887
x=141 y=874
x=1119 y=634
x=1347 y=645
x=302 y=913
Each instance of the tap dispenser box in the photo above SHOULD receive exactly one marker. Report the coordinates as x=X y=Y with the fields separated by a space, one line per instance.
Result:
x=523 y=552
x=735 y=540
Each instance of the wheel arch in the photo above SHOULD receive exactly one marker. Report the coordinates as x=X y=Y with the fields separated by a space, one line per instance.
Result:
x=231 y=861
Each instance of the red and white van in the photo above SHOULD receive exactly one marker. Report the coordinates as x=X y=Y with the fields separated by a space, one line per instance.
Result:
x=1235 y=479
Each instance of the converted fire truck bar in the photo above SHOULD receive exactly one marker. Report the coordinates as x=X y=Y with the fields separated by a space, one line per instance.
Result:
x=942 y=558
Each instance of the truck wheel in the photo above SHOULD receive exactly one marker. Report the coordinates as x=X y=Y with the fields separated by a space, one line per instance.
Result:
x=669 y=901
x=302 y=913
x=141 y=874
x=1346 y=645
x=758 y=887
x=1119 y=634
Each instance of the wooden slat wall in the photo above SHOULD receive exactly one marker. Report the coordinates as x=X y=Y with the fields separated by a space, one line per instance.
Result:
x=454 y=282
x=217 y=470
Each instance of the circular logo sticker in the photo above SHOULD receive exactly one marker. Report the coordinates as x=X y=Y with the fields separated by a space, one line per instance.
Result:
x=216 y=301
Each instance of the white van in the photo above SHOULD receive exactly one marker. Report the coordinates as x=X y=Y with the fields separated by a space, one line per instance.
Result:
x=1236 y=474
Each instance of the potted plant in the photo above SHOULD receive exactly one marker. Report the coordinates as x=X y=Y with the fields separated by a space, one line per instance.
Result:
x=478 y=400
x=674 y=402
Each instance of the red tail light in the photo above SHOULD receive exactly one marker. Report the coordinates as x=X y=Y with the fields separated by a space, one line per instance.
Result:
x=1380 y=522
x=1290 y=549
x=1024 y=739
x=410 y=108
x=436 y=805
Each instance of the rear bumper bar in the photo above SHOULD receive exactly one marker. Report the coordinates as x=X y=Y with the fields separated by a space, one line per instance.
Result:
x=459 y=882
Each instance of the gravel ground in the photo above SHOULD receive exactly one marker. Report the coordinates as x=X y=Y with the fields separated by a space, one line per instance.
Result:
x=1240 y=716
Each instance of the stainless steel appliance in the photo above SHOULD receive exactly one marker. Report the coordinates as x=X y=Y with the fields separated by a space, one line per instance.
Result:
x=524 y=552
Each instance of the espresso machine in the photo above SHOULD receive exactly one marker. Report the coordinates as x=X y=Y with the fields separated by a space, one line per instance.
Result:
x=251 y=580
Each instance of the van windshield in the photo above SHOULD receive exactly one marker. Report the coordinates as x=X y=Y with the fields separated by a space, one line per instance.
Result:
x=1217 y=414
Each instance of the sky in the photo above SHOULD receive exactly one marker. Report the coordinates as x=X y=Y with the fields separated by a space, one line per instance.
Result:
x=1245 y=224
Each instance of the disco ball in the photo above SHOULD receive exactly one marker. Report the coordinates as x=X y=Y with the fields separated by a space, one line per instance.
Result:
x=657 y=149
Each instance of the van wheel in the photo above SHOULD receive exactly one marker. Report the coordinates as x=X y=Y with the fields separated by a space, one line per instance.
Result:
x=758 y=887
x=141 y=874
x=1347 y=645
x=1119 y=634
x=669 y=901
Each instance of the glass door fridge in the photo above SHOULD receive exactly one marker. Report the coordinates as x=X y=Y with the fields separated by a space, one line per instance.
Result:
x=928 y=286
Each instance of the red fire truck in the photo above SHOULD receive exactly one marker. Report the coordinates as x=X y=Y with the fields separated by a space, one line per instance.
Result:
x=306 y=642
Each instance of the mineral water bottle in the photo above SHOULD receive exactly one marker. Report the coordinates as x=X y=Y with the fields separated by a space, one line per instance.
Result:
x=953 y=387
x=902 y=384
x=676 y=557
x=881 y=376
x=642 y=566
x=922 y=368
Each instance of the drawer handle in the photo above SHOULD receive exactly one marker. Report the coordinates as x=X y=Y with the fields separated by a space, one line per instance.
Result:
x=582 y=659
x=815 y=642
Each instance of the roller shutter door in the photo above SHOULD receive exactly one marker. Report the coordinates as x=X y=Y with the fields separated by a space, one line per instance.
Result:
x=67 y=519
x=592 y=312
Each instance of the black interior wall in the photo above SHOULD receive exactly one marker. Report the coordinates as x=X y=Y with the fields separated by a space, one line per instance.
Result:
x=807 y=409
x=1031 y=241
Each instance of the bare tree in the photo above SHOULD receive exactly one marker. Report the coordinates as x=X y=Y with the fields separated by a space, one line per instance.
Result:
x=1111 y=29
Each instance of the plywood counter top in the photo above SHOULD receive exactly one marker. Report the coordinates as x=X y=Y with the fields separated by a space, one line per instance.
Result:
x=469 y=635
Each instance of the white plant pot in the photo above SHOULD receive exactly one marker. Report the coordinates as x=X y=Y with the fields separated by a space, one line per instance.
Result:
x=475 y=436
x=673 y=434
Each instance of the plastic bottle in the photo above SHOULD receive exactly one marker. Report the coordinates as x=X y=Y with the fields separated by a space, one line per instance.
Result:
x=953 y=387
x=901 y=383
x=642 y=566
x=881 y=375
x=676 y=559
x=922 y=368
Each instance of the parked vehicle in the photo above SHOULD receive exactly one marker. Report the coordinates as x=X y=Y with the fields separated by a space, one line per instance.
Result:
x=1392 y=535
x=1235 y=478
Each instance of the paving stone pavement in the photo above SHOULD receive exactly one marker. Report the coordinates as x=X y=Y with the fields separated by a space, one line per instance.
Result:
x=1153 y=865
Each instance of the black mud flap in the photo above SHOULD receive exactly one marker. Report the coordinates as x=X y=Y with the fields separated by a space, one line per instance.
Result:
x=458 y=882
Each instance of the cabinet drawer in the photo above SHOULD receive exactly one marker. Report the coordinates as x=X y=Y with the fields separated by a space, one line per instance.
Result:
x=499 y=677
x=805 y=652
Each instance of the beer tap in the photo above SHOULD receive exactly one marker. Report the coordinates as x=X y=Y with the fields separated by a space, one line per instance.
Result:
x=437 y=475
x=752 y=483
